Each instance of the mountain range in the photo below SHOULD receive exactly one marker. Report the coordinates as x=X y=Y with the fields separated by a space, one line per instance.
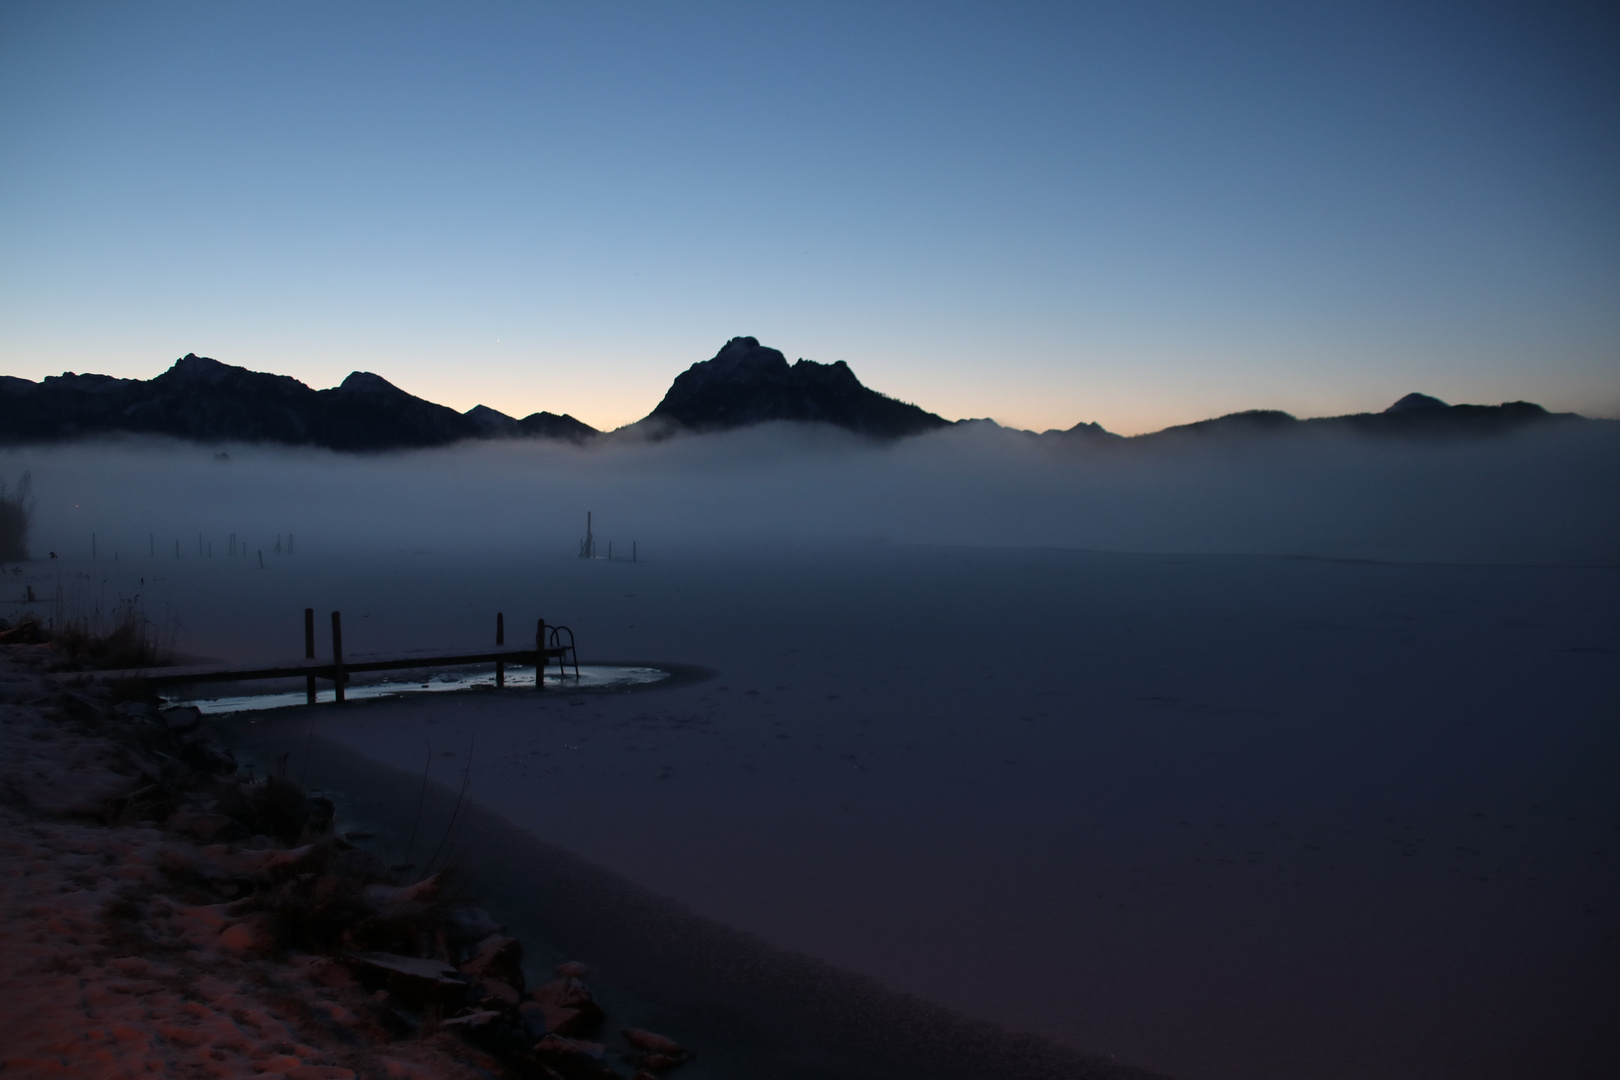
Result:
x=745 y=383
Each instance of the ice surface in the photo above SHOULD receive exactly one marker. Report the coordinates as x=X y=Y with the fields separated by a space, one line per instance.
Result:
x=1224 y=817
x=1248 y=800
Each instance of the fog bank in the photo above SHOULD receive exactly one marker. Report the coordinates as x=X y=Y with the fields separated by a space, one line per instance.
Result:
x=1534 y=497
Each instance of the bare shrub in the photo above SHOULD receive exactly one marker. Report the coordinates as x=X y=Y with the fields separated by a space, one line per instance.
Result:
x=127 y=640
x=276 y=807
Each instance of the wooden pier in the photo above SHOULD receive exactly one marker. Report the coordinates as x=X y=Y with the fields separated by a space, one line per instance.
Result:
x=339 y=668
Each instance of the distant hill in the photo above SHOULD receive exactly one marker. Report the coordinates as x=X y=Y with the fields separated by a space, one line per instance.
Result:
x=747 y=383
x=1415 y=416
x=207 y=401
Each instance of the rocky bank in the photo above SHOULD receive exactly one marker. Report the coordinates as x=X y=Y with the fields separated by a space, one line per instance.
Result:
x=164 y=914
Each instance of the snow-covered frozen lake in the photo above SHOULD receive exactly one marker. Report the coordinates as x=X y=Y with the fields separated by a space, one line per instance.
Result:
x=1221 y=815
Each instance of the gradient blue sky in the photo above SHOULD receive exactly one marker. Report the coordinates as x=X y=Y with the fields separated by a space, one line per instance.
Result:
x=1137 y=213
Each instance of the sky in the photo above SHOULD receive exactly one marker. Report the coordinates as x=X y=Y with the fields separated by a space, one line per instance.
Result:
x=1135 y=213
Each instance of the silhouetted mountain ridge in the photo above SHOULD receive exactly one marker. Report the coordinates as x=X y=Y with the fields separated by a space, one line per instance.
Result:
x=1413 y=416
x=744 y=384
x=204 y=400
x=748 y=383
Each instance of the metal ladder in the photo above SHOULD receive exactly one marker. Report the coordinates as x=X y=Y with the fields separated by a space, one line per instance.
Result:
x=570 y=657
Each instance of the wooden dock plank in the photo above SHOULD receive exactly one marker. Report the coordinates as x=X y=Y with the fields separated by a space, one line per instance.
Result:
x=322 y=669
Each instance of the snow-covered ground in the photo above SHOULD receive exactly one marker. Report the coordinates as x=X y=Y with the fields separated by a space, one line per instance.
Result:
x=113 y=962
x=1223 y=815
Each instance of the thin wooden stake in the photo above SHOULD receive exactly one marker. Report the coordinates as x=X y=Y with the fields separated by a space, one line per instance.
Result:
x=540 y=656
x=337 y=655
x=309 y=652
x=500 y=639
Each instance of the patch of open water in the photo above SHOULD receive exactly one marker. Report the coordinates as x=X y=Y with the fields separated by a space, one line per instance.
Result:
x=595 y=677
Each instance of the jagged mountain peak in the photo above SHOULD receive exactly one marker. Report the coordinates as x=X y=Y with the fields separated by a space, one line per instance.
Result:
x=193 y=374
x=86 y=383
x=749 y=383
x=492 y=421
x=744 y=356
x=1415 y=401
x=192 y=366
x=365 y=382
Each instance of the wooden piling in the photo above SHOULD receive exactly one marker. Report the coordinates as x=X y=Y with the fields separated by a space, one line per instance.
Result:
x=540 y=656
x=500 y=639
x=309 y=652
x=337 y=655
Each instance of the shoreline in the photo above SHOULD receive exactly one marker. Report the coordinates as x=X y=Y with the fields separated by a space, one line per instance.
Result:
x=135 y=941
x=142 y=939
x=747 y=1008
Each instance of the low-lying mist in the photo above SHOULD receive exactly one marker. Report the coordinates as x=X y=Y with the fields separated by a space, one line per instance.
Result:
x=1534 y=497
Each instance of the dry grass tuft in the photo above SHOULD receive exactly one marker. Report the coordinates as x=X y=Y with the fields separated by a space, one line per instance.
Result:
x=127 y=640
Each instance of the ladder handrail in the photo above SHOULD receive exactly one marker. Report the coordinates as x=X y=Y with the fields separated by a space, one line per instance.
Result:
x=556 y=643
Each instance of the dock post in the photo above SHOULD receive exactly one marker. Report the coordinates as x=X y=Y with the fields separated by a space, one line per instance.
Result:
x=337 y=655
x=309 y=653
x=500 y=639
x=540 y=656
